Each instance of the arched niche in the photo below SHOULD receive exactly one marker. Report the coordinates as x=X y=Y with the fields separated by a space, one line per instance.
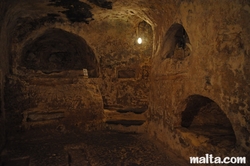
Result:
x=145 y=32
x=203 y=116
x=176 y=43
x=56 y=51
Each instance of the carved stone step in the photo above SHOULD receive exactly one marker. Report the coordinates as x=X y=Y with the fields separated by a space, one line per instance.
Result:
x=43 y=116
x=126 y=122
x=136 y=110
x=40 y=117
x=126 y=119
x=115 y=115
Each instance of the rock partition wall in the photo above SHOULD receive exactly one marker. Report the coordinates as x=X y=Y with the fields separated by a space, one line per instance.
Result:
x=125 y=64
x=217 y=68
x=53 y=100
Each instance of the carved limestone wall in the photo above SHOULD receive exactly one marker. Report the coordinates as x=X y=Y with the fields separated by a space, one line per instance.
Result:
x=49 y=45
x=55 y=100
x=216 y=70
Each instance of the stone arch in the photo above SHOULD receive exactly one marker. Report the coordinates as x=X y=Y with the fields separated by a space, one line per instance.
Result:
x=203 y=116
x=176 y=43
x=57 y=50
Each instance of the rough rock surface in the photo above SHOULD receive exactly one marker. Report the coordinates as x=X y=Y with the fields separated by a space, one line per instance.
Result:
x=190 y=48
x=70 y=101
x=62 y=147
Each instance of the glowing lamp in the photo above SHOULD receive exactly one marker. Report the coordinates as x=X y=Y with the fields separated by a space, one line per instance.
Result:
x=139 y=40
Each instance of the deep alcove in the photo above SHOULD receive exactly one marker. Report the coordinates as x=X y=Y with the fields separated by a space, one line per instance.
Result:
x=57 y=50
x=176 y=45
x=204 y=117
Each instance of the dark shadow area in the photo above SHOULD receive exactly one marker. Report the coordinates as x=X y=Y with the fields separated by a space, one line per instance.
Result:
x=194 y=104
x=56 y=51
x=102 y=3
x=59 y=147
x=126 y=122
x=204 y=117
x=76 y=11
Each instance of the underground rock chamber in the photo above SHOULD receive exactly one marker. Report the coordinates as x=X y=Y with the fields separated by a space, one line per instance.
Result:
x=204 y=117
x=213 y=44
x=60 y=147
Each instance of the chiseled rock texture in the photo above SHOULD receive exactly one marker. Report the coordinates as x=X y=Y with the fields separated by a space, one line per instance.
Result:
x=50 y=49
x=217 y=69
x=65 y=101
x=191 y=71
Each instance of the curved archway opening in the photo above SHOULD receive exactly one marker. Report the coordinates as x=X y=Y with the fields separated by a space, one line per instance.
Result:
x=177 y=44
x=57 y=50
x=203 y=116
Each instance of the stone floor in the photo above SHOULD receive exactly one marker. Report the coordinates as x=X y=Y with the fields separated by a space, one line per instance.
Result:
x=96 y=148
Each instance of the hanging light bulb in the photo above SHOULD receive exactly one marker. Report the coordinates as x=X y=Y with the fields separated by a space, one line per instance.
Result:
x=139 y=40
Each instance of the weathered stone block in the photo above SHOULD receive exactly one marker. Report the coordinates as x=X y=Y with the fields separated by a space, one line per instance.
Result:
x=73 y=104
